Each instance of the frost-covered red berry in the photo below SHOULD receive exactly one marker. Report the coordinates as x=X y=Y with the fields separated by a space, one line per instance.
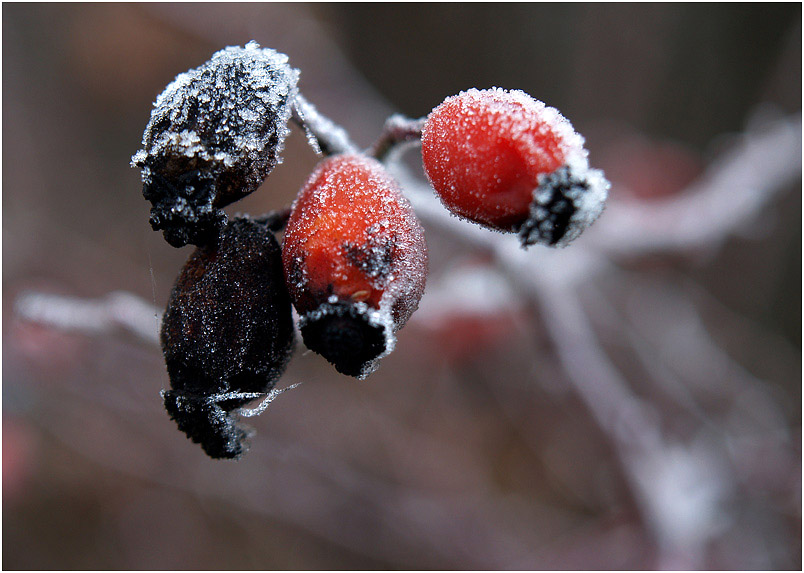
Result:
x=505 y=160
x=355 y=262
x=215 y=134
x=228 y=329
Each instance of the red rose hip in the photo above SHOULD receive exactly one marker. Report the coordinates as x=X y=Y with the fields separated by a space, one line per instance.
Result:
x=508 y=162
x=355 y=262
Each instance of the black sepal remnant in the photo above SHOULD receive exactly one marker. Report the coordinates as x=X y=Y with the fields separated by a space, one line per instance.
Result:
x=565 y=203
x=206 y=423
x=346 y=335
x=215 y=134
x=227 y=329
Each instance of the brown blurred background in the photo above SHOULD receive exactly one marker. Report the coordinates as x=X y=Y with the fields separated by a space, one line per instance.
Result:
x=472 y=446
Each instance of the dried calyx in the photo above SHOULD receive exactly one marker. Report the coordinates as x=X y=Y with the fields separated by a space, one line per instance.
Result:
x=564 y=204
x=348 y=335
x=215 y=134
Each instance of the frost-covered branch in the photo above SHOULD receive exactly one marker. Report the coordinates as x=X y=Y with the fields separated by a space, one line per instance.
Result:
x=114 y=312
x=398 y=130
x=764 y=161
x=678 y=492
x=323 y=135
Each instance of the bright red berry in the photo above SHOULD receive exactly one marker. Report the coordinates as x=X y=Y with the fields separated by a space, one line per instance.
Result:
x=355 y=261
x=505 y=160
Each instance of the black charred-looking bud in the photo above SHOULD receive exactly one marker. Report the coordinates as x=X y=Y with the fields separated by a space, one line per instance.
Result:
x=227 y=329
x=215 y=134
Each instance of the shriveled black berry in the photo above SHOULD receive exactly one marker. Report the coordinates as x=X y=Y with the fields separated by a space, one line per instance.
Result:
x=227 y=329
x=215 y=134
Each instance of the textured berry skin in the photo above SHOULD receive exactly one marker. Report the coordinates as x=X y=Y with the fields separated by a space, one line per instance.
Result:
x=214 y=135
x=487 y=152
x=228 y=328
x=355 y=261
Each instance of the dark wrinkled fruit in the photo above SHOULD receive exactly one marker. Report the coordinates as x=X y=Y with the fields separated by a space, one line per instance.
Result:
x=355 y=262
x=215 y=134
x=227 y=328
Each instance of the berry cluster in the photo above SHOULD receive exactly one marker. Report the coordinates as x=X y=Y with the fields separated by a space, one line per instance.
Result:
x=353 y=258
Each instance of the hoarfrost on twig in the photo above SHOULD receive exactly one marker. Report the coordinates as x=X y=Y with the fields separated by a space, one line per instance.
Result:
x=323 y=135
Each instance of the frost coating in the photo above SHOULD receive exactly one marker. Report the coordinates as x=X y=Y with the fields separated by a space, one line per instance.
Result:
x=214 y=135
x=355 y=262
x=485 y=153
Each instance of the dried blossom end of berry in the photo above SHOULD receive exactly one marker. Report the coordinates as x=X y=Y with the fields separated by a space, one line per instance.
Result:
x=350 y=336
x=565 y=203
x=227 y=331
x=207 y=424
x=214 y=135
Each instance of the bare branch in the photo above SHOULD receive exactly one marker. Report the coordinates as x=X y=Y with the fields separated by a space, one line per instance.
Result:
x=323 y=135
x=118 y=310
x=722 y=202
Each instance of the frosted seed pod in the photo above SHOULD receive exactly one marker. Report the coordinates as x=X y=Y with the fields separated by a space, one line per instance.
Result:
x=228 y=329
x=506 y=161
x=355 y=262
x=215 y=134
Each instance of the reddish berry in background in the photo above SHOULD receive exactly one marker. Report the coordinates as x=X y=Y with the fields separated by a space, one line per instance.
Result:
x=469 y=312
x=505 y=160
x=355 y=261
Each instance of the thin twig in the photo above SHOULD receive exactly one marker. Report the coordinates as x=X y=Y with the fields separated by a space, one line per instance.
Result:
x=722 y=202
x=324 y=136
x=398 y=130
x=275 y=220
